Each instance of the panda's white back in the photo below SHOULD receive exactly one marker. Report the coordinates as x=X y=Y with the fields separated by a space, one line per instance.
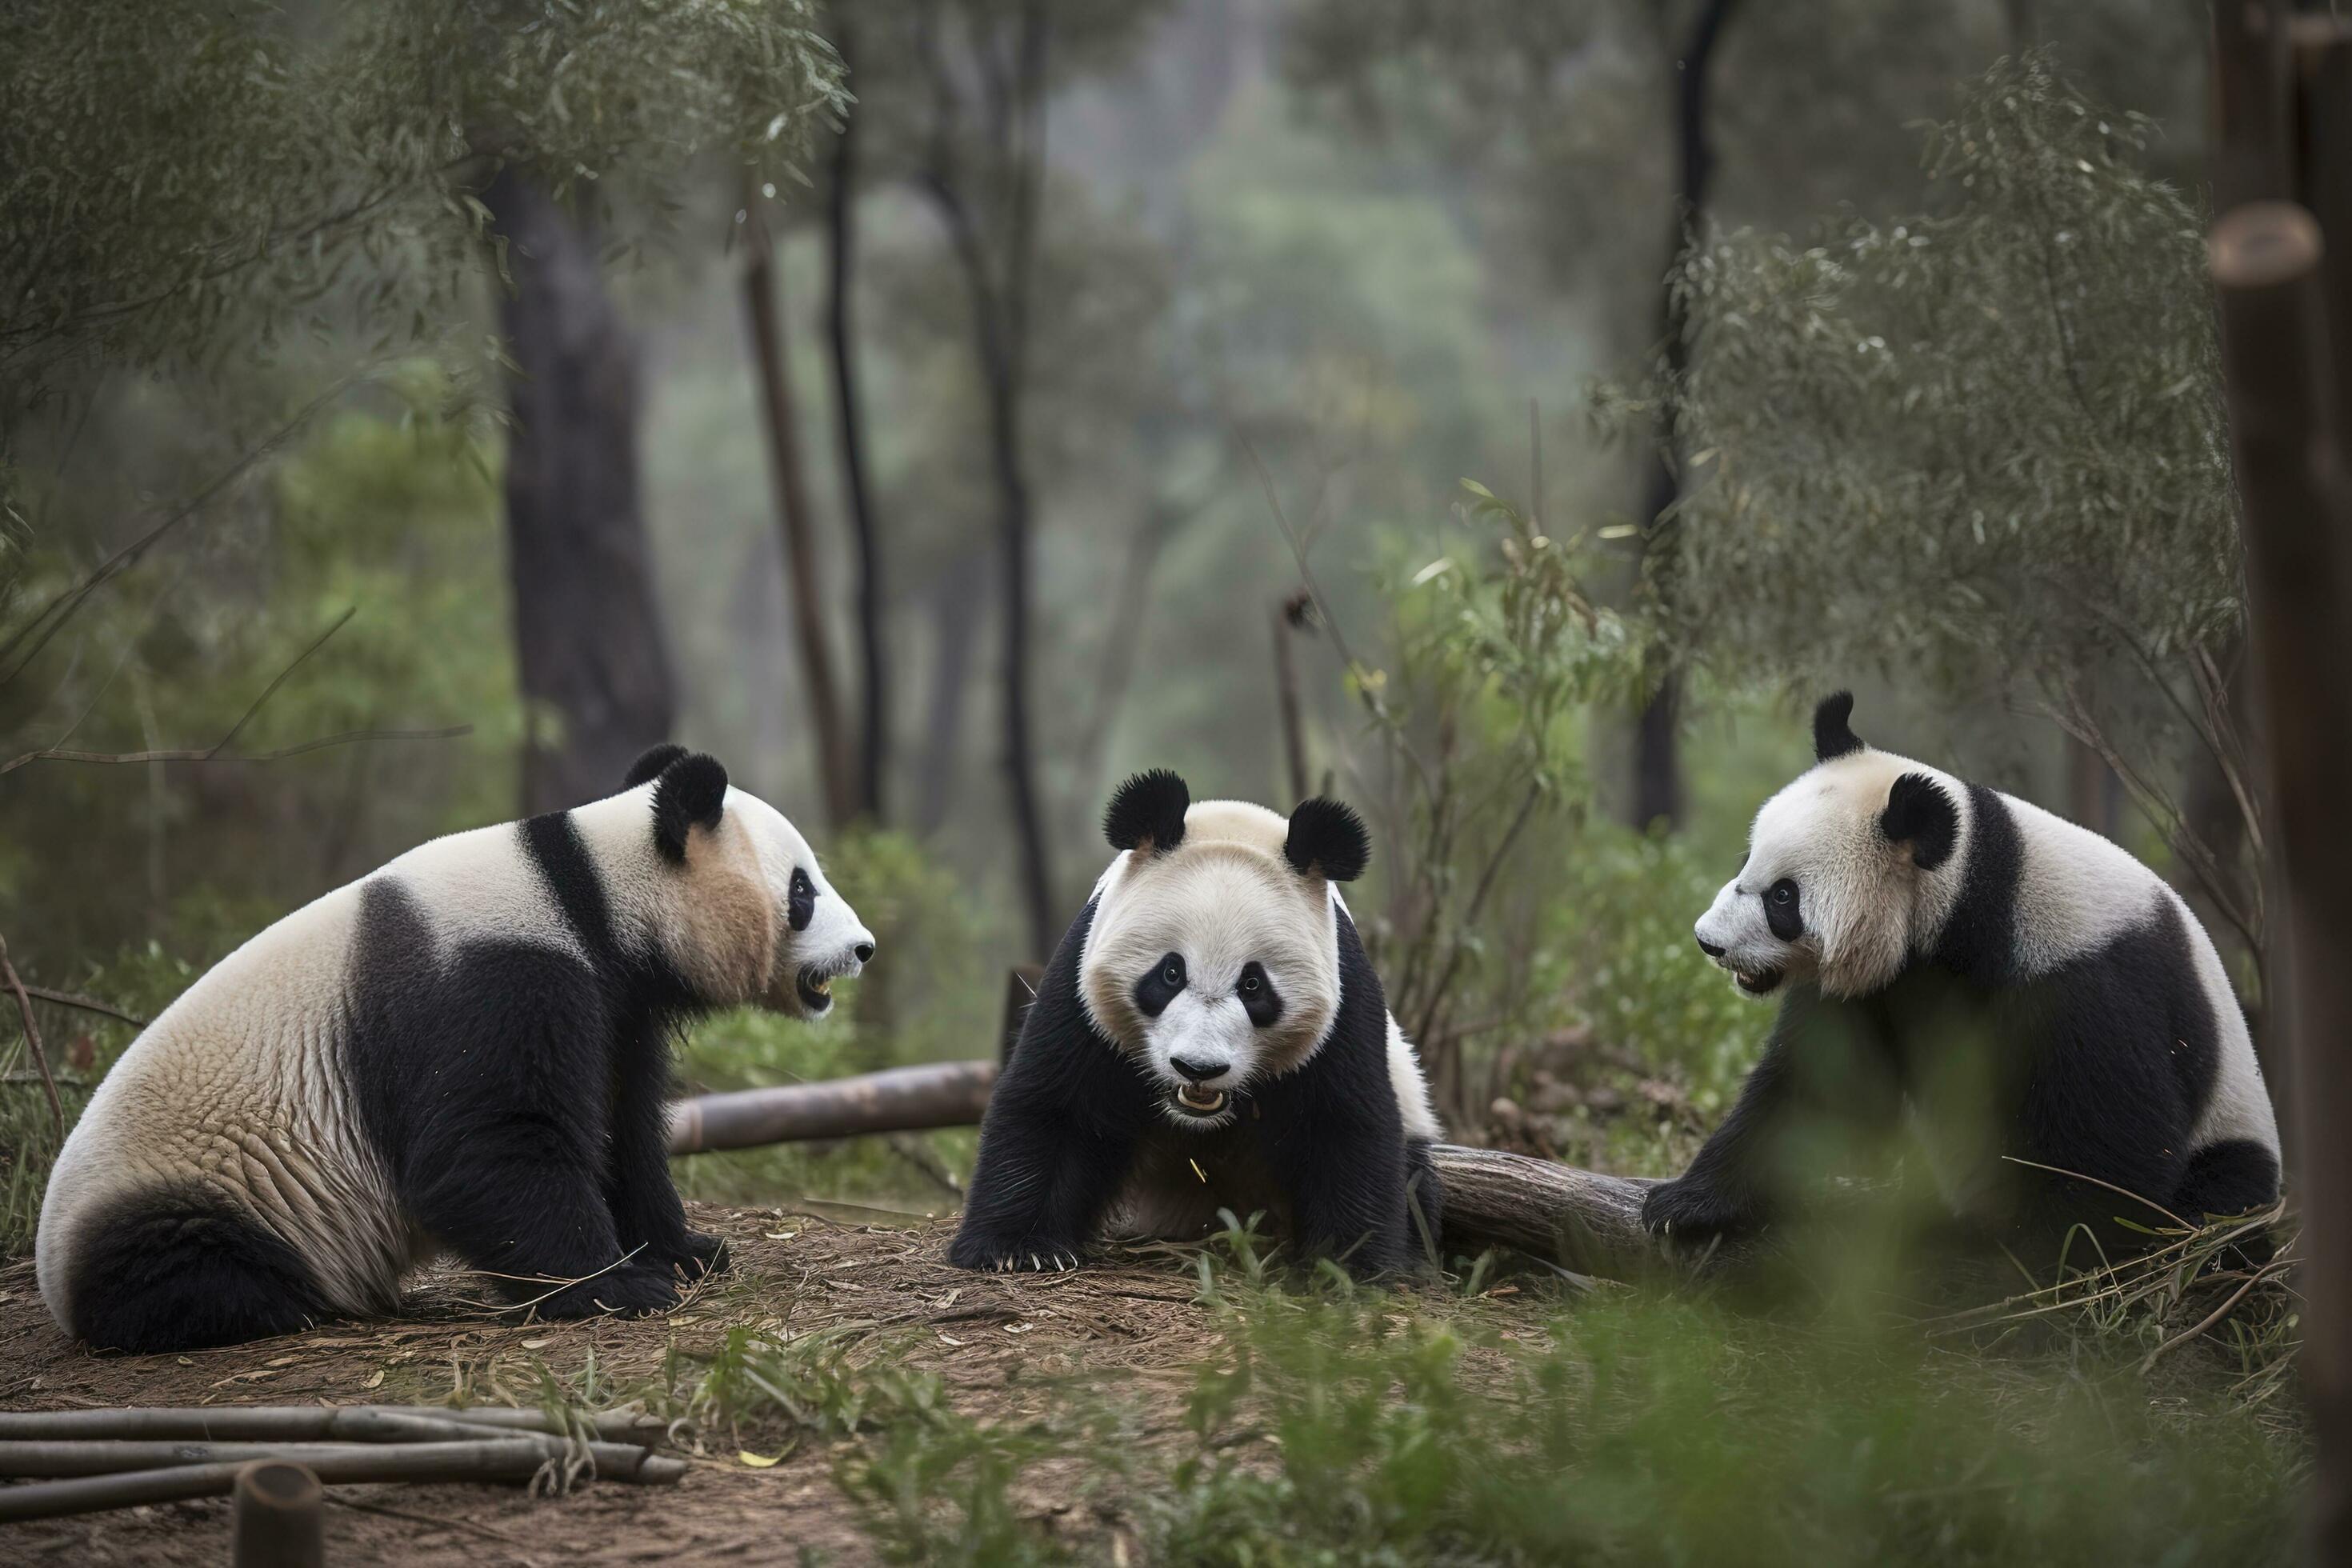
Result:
x=2076 y=891
x=238 y=1085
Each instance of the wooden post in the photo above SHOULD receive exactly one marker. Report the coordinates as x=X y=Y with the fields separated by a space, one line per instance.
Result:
x=2269 y=261
x=280 y=1519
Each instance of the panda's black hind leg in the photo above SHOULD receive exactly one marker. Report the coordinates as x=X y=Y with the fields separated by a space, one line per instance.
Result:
x=2236 y=1177
x=181 y=1270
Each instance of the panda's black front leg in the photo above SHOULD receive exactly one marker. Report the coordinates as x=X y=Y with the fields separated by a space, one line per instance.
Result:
x=1039 y=1192
x=1346 y=1177
x=506 y=1160
x=637 y=1184
x=1823 y=1060
x=1060 y=1133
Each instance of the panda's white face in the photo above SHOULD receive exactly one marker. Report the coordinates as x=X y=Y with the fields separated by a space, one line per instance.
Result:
x=1216 y=967
x=1824 y=893
x=819 y=937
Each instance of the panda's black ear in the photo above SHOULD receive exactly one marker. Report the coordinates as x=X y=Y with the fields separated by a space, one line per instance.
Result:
x=1328 y=839
x=1833 y=734
x=650 y=765
x=692 y=793
x=1147 y=813
x=1921 y=813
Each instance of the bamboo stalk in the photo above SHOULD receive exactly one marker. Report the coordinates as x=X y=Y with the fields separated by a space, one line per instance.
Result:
x=306 y=1423
x=504 y=1459
x=620 y=1460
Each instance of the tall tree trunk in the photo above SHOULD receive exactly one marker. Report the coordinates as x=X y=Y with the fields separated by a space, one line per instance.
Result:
x=772 y=352
x=2284 y=293
x=849 y=411
x=588 y=635
x=1657 y=760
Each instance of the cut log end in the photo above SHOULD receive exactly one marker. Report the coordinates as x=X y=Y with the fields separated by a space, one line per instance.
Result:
x=2263 y=245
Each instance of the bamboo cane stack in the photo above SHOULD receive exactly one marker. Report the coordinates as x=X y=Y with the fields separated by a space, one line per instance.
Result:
x=90 y=1460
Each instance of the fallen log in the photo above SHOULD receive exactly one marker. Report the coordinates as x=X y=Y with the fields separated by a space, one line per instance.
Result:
x=306 y=1424
x=499 y=1459
x=897 y=1099
x=1584 y=1221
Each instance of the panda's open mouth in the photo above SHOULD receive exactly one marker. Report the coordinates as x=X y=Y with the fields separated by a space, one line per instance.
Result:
x=814 y=984
x=1758 y=983
x=1191 y=1100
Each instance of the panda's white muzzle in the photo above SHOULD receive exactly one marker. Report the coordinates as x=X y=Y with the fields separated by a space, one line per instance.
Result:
x=1204 y=1050
x=1734 y=933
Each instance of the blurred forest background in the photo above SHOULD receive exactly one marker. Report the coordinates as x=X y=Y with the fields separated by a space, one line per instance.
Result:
x=1506 y=416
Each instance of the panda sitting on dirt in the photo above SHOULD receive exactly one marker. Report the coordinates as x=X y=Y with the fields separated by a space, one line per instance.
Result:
x=466 y=1049
x=1210 y=1036
x=2051 y=1015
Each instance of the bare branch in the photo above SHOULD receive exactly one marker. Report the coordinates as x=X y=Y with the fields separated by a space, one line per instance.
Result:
x=31 y=1035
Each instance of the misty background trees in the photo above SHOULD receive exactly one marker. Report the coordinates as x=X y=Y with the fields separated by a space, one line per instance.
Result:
x=939 y=408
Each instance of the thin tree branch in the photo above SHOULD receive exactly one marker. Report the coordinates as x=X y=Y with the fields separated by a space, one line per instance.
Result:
x=74 y=999
x=33 y=1037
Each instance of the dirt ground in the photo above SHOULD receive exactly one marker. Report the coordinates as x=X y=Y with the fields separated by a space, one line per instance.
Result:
x=988 y=1336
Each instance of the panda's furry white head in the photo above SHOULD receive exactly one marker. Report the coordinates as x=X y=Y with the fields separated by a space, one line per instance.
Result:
x=1849 y=869
x=736 y=900
x=1214 y=956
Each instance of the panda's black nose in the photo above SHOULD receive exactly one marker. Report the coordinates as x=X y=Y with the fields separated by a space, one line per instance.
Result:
x=1194 y=1070
x=1709 y=948
x=864 y=951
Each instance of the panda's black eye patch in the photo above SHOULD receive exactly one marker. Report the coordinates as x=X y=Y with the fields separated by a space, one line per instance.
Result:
x=802 y=905
x=1780 y=910
x=1159 y=987
x=1260 y=1000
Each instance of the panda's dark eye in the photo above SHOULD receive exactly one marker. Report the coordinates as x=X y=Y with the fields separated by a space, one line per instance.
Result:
x=802 y=907
x=1784 y=892
x=1780 y=910
x=1159 y=985
x=1259 y=999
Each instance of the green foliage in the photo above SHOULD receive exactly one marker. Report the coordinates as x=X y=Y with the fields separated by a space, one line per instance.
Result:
x=171 y=167
x=1493 y=654
x=1635 y=974
x=386 y=516
x=1988 y=441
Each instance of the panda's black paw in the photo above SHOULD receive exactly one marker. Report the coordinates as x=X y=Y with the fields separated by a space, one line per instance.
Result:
x=1009 y=1255
x=633 y=1291
x=695 y=1256
x=1686 y=1213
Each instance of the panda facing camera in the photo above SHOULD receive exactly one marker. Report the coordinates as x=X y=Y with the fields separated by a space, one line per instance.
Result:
x=466 y=1050
x=1210 y=1036
x=2049 y=1014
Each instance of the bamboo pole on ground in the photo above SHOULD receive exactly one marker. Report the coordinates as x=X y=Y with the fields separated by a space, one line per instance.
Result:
x=308 y=1424
x=495 y=1459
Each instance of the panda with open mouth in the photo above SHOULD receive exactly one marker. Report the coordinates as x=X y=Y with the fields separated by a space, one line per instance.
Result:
x=2048 y=1014
x=1210 y=1036
x=465 y=1051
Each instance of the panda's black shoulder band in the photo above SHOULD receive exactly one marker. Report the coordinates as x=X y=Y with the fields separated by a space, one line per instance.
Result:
x=1328 y=838
x=1147 y=809
x=650 y=765
x=692 y=793
x=1833 y=734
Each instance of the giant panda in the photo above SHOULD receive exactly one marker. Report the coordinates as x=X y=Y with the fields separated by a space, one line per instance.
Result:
x=466 y=1049
x=1209 y=1035
x=2049 y=1014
